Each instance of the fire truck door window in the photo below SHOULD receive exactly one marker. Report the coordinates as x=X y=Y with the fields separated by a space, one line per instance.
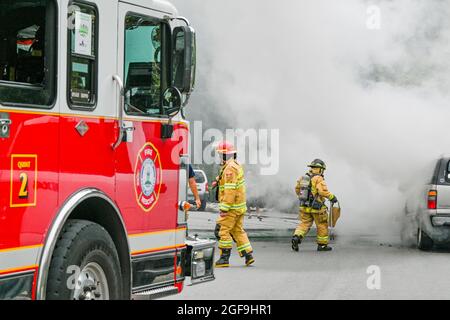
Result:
x=27 y=52
x=145 y=60
x=82 y=60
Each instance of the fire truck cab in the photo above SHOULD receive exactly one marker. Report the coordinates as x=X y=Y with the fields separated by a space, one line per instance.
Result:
x=94 y=150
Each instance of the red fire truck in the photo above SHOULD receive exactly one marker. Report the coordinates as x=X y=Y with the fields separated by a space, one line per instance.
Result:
x=93 y=150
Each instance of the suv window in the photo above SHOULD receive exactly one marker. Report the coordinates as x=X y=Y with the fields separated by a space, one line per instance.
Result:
x=435 y=178
x=27 y=52
x=447 y=172
x=200 y=177
x=146 y=69
x=441 y=174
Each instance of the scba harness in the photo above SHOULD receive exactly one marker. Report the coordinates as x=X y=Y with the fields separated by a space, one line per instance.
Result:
x=307 y=196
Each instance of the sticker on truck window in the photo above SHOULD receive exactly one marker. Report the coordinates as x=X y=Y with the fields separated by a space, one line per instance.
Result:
x=148 y=177
x=83 y=34
x=24 y=172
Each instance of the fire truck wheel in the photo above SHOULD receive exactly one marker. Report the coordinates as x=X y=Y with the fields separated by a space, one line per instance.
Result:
x=85 y=264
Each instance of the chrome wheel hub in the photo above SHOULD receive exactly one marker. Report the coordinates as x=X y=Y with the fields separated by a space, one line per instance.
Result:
x=91 y=284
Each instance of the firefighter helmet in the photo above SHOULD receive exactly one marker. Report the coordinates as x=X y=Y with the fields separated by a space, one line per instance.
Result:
x=318 y=164
x=226 y=148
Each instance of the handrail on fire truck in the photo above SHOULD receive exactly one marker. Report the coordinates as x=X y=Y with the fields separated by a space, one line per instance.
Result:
x=119 y=82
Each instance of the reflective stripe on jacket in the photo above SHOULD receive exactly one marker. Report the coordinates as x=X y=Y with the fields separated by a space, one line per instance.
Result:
x=232 y=191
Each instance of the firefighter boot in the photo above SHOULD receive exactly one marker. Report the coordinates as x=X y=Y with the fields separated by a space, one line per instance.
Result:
x=249 y=260
x=324 y=248
x=296 y=241
x=224 y=261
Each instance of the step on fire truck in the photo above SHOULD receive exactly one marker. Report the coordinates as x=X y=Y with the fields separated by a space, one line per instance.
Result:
x=93 y=150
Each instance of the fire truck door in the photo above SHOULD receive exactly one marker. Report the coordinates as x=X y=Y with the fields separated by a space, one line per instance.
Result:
x=146 y=176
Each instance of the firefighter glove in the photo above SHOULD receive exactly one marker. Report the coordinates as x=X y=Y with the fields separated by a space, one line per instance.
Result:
x=334 y=200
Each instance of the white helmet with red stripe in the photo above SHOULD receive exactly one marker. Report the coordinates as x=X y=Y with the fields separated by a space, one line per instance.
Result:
x=226 y=148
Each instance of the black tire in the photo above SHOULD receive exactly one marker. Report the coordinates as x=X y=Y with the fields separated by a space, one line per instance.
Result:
x=203 y=206
x=81 y=243
x=424 y=242
x=409 y=231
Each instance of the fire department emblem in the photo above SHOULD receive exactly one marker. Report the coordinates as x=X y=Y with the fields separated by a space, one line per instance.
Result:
x=148 y=177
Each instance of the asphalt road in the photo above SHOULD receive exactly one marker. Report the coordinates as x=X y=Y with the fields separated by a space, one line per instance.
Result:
x=280 y=273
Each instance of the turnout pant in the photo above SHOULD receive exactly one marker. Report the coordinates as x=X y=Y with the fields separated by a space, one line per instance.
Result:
x=306 y=221
x=231 y=228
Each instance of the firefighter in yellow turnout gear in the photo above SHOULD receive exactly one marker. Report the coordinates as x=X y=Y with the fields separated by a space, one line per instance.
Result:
x=312 y=206
x=232 y=206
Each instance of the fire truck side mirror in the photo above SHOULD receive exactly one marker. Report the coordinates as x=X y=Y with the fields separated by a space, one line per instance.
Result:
x=184 y=59
x=172 y=101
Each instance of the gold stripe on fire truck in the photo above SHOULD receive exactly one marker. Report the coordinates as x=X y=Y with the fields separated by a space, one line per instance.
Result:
x=136 y=235
x=87 y=116
x=18 y=270
x=162 y=240
x=178 y=246
x=21 y=248
x=14 y=260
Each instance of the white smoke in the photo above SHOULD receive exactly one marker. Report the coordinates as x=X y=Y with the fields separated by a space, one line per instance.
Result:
x=372 y=103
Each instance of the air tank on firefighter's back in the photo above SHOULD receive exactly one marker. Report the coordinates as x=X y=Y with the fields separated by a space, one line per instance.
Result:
x=305 y=183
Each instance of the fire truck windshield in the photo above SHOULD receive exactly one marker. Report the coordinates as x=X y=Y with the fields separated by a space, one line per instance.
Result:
x=27 y=50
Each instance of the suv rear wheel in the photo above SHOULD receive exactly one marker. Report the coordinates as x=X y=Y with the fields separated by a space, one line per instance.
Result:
x=424 y=242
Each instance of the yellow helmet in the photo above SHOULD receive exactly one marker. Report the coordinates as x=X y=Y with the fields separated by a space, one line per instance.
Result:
x=318 y=164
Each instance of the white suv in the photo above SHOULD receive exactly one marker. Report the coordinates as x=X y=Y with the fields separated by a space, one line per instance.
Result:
x=427 y=219
x=202 y=187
